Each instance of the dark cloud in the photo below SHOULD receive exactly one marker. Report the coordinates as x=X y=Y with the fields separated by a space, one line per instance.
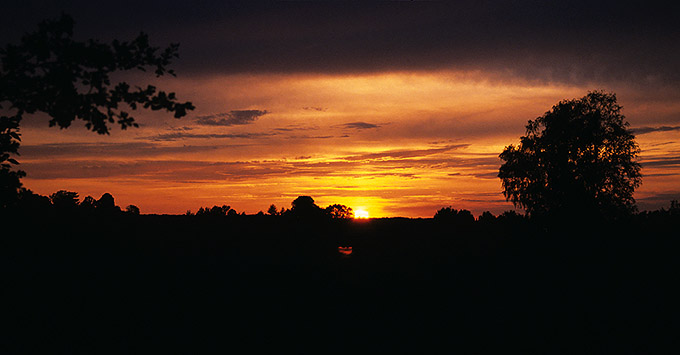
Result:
x=296 y=127
x=665 y=162
x=359 y=125
x=173 y=136
x=405 y=153
x=231 y=118
x=136 y=149
x=645 y=130
x=570 y=41
x=387 y=164
x=312 y=137
x=315 y=108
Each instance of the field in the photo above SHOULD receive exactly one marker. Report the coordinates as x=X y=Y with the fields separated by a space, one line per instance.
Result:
x=182 y=284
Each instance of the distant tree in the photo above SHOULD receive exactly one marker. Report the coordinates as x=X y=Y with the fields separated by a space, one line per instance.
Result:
x=10 y=183
x=64 y=200
x=220 y=210
x=32 y=202
x=132 y=209
x=88 y=205
x=304 y=206
x=215 y=211
x=339 y=211
x=459 y=217
x=486 y=217
x=674 y=209
x=511 y=217
x=106 y=203
x=50 y=72
x=272 y=211
x=578 y=157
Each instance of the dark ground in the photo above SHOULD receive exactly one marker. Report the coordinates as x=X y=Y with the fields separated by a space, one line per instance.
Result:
x=184 y=284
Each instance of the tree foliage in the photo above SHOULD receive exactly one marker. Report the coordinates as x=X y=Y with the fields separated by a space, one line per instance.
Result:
x=450 y=214
x=216 y=211
x=579 y=156
x=305 y=207
x=339 y=211
x=65 y=200
x=51 y=72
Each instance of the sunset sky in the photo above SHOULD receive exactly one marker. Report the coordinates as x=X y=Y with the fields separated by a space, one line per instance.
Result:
x=396 y=108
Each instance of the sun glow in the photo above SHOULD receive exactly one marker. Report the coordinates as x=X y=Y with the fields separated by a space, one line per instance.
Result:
x=361 y=214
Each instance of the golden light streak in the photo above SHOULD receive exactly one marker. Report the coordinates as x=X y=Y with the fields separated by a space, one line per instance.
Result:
x=304 y=147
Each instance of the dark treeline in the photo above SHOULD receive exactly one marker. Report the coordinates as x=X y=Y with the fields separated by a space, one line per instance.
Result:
x=114 y=280
x=27 y=204
x=584 y=273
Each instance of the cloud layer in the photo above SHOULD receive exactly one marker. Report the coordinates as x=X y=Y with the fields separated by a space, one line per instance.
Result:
x=355 y=95
x=567 y=42
x=231 y=118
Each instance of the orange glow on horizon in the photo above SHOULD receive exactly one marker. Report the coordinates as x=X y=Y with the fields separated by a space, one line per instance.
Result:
x=361 y=214
x=400 y=144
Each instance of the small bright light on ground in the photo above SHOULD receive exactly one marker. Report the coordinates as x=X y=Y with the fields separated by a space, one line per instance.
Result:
x=360 y=214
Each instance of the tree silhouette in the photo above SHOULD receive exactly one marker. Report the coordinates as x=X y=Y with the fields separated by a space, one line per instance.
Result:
x=304 y=206
x=579 y=156
x=486 y=217
x=106 y=204
x=339 y=211
x=88 y=204
x=132 y=209
x=50 y=72
x=272 y=211
x=459 y=217
x=10 y=185
x=65 y=200
x=216 y=211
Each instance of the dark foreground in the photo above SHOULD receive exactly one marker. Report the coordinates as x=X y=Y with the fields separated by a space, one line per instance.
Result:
x=184 y=284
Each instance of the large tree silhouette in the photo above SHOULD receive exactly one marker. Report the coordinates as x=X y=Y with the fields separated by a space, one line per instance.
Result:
x=579 y=157
x=50 y=72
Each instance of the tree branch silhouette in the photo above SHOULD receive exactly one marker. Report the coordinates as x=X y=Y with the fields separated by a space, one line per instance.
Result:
x=50 y=72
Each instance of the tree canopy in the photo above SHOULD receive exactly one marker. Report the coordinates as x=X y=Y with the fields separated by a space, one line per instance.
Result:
x=50 y=72
x=340 y=211
x=579 y=156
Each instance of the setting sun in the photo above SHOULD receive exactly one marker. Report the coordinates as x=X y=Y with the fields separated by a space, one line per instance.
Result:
x=361 y=214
